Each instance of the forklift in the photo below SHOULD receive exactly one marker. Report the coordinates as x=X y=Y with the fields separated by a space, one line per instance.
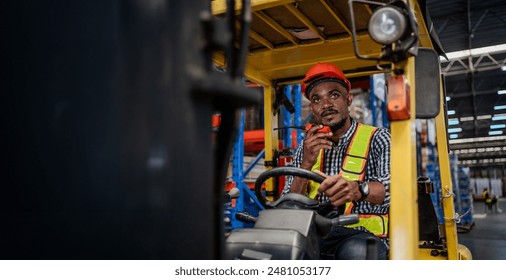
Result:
x=108 y=149
x=365 y=38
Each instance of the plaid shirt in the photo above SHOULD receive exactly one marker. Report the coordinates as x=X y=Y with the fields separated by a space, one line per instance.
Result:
x=377 y=169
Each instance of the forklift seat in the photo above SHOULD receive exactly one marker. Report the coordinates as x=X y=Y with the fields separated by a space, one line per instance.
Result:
x=428 y=222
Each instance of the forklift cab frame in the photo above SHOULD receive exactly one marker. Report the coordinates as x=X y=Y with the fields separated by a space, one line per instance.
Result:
x=279 y=54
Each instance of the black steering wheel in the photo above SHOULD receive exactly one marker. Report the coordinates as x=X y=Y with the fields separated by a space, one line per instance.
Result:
x=293 y=197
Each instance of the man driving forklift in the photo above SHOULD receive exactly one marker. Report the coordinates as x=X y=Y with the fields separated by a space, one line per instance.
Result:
x=354 y=158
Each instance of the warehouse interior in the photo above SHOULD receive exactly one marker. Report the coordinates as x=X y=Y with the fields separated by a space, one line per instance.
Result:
x=475 y=82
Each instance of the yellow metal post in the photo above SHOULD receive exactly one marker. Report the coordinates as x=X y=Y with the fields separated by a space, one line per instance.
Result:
x=403 y=186
x=446 y=183
x=271 y=138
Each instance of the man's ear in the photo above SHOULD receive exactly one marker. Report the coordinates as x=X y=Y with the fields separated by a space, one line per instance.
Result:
x=350 y=98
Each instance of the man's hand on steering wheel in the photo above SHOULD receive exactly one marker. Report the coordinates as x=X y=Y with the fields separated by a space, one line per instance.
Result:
x=339 y=190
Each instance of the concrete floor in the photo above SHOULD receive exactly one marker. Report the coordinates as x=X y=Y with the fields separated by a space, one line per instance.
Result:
x=487 y=238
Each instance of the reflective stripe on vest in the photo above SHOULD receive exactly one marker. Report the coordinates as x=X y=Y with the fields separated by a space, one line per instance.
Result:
x=312 y=187
x=377 y=224
x=354 y=163
x=353 y=169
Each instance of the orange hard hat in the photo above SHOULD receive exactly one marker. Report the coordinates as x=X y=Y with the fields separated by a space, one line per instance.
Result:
x=320 y=72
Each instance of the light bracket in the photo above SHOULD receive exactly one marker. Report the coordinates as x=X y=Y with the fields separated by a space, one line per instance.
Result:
x=401 y=46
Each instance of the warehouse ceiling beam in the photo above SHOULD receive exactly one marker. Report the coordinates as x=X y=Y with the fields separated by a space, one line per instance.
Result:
x=336 y=16
x=276 y=26
x=305 y=20
x=484 y=62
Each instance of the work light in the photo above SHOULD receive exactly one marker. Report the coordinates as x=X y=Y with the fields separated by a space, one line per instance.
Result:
x=387 y=25
x=393 y=26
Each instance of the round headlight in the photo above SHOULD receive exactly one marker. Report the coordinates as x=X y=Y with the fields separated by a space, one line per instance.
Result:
x=387 y=25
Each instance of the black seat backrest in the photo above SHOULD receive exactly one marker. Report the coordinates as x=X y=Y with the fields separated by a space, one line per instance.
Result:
x=428 y=227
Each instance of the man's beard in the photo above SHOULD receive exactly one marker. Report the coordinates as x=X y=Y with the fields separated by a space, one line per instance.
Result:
x=338 y=125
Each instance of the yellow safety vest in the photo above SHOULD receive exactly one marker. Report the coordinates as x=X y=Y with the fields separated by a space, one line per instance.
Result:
x=487 y=197
x=353 y=169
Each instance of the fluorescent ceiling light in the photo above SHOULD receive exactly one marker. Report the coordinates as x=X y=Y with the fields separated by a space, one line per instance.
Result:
x=476 y=52
x=466 y=119
x=472 y=151
x=484 y=117
x=495 y=132
x=453 y=121
x=503 y=68
x=478 y=139
x=451 y=112
x=454 y=130
x=497 y=126
x=500 y=107
x=499 y=118
x=480 y=162
x=502 y=91
x=454 y=136
x=448 y=98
